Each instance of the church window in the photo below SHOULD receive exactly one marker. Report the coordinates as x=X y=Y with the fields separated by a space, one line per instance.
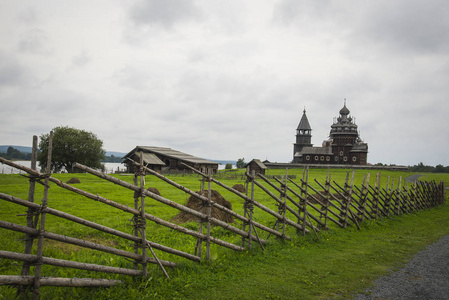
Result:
x=308 y=157
x=354 y=158
x=341 y=153
x=328 y=158
x=322 y=158
x=345 y=158
x=316 y=157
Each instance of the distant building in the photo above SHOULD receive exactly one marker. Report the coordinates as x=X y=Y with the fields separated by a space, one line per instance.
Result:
x=344 y=145
x=167 y=159
x=257 y=166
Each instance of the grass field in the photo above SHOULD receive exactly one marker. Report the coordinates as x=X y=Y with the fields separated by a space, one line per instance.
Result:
x=338 y=264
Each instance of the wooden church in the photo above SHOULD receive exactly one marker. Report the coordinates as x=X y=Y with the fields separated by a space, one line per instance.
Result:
x=344 y=145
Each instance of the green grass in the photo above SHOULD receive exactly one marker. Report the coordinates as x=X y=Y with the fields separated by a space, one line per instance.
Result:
x=339 y=264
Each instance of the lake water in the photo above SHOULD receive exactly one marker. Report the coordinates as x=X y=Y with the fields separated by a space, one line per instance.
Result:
x=110 y=167
x=5 y=169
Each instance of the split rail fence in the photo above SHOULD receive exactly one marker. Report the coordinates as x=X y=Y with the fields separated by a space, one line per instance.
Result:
x=300 y=205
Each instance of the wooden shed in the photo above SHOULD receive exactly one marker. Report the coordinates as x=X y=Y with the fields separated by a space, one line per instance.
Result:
x=257 y=166
x=167 y=159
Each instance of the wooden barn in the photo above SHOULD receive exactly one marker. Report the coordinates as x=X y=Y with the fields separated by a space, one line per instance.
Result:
x=166 y=159
x=257 y=166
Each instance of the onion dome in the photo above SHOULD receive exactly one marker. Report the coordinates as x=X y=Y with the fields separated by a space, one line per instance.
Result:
x=344 y=111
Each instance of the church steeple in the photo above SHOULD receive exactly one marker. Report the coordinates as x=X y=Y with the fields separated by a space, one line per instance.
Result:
x=304 y=125
x=303 y=137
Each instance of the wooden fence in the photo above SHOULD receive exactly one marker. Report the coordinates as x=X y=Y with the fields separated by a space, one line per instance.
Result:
x=300 y=205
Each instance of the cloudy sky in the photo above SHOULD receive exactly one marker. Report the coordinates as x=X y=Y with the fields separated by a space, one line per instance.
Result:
x=228 y=79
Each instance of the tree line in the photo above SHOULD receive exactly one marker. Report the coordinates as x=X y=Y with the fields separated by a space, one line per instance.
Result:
x=423 y=168
x=13 y=153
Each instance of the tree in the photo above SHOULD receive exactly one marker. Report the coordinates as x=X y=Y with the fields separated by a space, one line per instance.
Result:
x=240 y=163
x=71 y=145
x=228 y=166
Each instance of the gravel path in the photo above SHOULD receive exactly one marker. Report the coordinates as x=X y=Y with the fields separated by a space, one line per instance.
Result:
x=413 y=178
x=426 y=276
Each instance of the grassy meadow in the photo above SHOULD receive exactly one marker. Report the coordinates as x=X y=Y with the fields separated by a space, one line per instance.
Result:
x=338 y=264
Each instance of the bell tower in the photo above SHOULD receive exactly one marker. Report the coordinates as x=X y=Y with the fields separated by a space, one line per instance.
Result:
x=303 y=137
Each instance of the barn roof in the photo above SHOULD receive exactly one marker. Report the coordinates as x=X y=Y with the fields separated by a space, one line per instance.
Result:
x=171 y=153
x=150 y=159
x=258 y=163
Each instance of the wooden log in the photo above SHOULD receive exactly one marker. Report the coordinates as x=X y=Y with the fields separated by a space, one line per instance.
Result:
x=209 y=211
x=40 y=241
x=68 y=264
x=55 y=281
x=333 y=205
x=164 y=200
x=246 y=198
x=194 y=194
x=305 y=185
x=308 y=202
x=137 y=243
x=380 y=208
x=30 y=212
x=125 y=208
x=78 y=242
x=350 y=215
x=273 y=213
x=121 y=206
x=352 y=199
x=98 y=226
x=143 y=223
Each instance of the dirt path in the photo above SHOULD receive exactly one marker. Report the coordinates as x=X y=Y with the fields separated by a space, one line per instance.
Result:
x=426 y=276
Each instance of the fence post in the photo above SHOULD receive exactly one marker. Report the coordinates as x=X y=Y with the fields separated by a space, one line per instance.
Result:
x=364 y=195
x=398 y=196
x=305 y=180
x=209 y=206
x=199 y=241
x=377 y=193
x=142 y=217
x=284 y=194
x=135 y=221
x=31 y=220
x=327 y=200
x=40 y=244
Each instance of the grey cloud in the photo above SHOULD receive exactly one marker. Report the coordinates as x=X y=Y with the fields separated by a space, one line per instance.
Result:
x=12 y=73
x=34 y=41
x=81 y=59
x=28 y=15
x=411 y=26
x=290 y=11
x=165 y=13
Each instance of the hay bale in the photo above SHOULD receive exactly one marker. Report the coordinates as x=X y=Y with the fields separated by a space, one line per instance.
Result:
x=197 y=204
x=73 y=180
x=239 y=187
x=151 y=189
